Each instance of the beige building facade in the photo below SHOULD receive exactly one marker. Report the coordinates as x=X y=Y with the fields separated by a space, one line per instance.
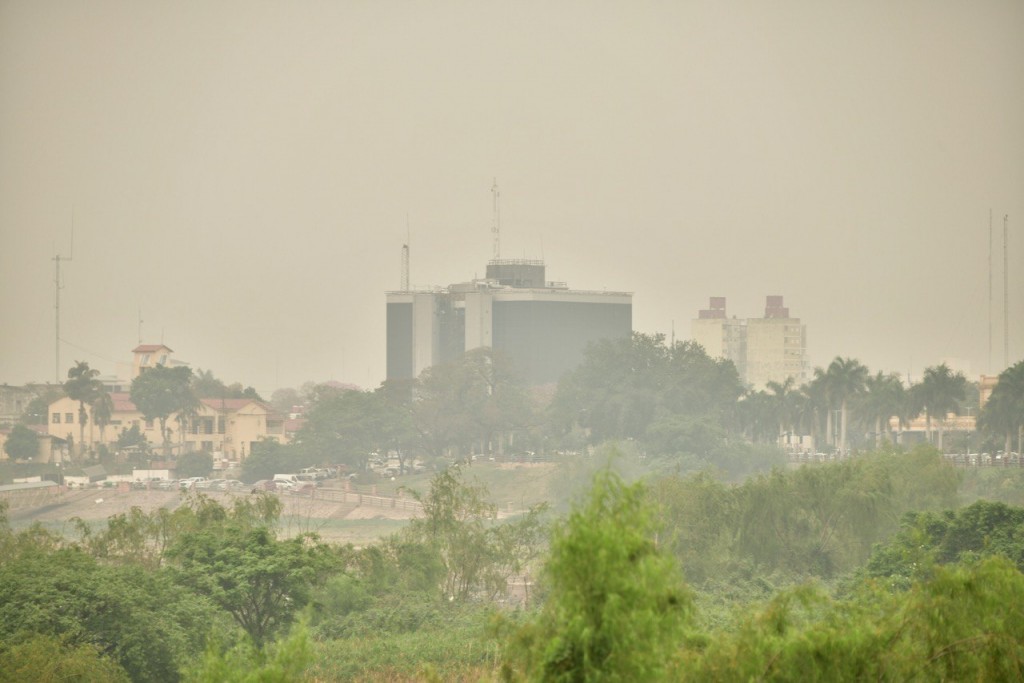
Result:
x=225 y=427
x=768 y=349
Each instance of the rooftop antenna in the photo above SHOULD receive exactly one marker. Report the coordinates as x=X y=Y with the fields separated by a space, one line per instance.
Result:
x=989 y=366
x=496 y=224
x=140 y=324
x=59 y=285
x=405 y=257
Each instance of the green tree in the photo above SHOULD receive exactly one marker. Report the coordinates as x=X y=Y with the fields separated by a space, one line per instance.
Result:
x=477 y=554
x=82 y=386
x=130 y=437
x=236 y=561
x=48 y=658
x=195 y=464
x=1003 y=413
x=845 y=379
x=22 y=443
x=268 y=457
x=162 y=391
x=135 y=616
x=928 y=538
x=102 y=412
x=479 y=399
x=624 y=387
x=37 y=412
x=283 y=661
x=884 y=397
x=341 y=427
x=616 y=606
x=784 y=399
x=939 y=393
x=284 y=399
x=960 y=624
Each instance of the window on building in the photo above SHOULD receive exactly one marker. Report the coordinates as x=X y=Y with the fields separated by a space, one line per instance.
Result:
x=149 y=424
x=69 y=418
x=208 y=446
x=56 y=418
x=220 y=425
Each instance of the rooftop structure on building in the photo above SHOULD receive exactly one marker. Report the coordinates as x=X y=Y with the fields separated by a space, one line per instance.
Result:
x=542 y=326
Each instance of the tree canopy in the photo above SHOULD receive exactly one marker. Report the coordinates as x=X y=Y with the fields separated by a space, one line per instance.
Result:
x=162 y=391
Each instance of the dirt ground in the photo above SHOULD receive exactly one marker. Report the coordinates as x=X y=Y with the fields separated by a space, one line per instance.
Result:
x=333 y=521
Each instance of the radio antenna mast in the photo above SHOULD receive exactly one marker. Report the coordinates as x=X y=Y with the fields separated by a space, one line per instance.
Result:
x=496 y=224
x=1006 y=296
x=59 y=285
x=405 y=257
x=989 y=367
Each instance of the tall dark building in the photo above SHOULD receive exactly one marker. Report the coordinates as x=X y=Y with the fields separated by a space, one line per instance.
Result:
x=544 y=327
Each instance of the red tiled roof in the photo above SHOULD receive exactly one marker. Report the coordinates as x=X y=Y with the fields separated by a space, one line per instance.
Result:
x=295 y=425
x=231 y=404
x=150 y=348
x=122 y=402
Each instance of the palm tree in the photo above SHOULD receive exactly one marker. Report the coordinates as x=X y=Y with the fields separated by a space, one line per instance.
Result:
x=883 y=399
x=783 y=396
x=756 y=414
x=819 y=391
x=1003 y=413
x=845 y=379
x=102 y=412
x=940 y=393
x=806 y=412
x=82 y=386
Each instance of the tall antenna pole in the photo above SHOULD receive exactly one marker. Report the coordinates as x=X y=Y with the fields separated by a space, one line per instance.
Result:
x=405 y=256
x=140 y=324
x=989 y=366
x=496 y=224
x=1006 y=296
x=405 y=268
x=57 y=287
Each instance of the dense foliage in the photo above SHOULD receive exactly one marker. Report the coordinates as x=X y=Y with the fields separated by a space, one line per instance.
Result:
x=681 y=577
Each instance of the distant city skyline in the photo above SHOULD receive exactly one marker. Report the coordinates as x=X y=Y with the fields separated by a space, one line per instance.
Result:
x=246 y=176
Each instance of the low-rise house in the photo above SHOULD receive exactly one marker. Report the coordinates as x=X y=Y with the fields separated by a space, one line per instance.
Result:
x=227 y=427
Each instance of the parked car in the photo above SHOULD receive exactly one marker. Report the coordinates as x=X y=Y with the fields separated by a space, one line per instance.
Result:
x=264 y=485
x=303 y=488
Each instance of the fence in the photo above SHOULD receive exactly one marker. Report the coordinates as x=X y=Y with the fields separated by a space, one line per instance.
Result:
x=356 y=498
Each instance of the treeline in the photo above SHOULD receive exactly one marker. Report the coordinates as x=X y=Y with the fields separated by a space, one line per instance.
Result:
x=865 y=567
x=673 y=403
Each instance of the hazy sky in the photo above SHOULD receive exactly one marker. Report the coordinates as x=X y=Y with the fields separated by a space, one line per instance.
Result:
x=243 y=172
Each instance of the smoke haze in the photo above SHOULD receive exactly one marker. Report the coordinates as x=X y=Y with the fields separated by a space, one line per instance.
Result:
x=243 y=173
